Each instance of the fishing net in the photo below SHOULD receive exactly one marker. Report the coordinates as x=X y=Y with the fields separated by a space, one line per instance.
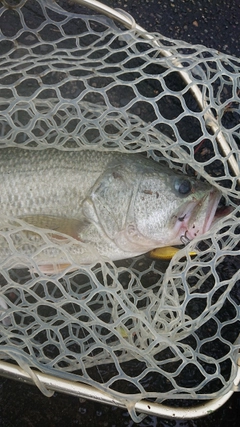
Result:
x=139 y=328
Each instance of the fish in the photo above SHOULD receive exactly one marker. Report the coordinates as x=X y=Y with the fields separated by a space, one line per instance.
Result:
x=112 y=205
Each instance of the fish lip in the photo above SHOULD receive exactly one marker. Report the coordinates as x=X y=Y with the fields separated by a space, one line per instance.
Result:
x=214 y=198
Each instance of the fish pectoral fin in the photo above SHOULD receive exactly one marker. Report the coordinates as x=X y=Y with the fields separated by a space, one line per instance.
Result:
x=68 y=226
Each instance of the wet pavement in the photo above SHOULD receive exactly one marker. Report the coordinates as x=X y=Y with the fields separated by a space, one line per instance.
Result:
x=214 y=24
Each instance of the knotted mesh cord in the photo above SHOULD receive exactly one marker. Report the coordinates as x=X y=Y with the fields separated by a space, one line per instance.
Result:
x=137 y=328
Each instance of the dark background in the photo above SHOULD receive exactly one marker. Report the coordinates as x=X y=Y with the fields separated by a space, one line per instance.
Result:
x=212 y=23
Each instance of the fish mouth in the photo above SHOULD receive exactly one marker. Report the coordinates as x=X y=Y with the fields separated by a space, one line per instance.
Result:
x=221 y=212
x=215 y=211
x=198 y=216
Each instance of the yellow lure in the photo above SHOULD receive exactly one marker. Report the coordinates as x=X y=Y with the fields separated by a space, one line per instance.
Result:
x=166 y=253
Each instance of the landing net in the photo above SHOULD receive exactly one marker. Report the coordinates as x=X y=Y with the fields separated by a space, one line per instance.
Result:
x=139 y=328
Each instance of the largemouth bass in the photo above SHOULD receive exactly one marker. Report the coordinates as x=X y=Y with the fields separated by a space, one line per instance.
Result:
x=119 y=205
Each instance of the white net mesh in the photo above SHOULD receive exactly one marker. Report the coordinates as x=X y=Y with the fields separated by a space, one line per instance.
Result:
x=137 y=328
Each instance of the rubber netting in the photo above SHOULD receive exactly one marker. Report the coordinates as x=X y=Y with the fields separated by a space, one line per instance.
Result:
x=139 y=328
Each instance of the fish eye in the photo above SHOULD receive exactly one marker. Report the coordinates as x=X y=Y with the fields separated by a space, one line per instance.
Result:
x=183 y=186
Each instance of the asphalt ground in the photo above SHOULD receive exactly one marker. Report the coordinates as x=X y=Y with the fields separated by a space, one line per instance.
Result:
x=214 y=24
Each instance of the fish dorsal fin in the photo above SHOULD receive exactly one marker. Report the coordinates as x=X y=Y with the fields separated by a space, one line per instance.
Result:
x=68 y=226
